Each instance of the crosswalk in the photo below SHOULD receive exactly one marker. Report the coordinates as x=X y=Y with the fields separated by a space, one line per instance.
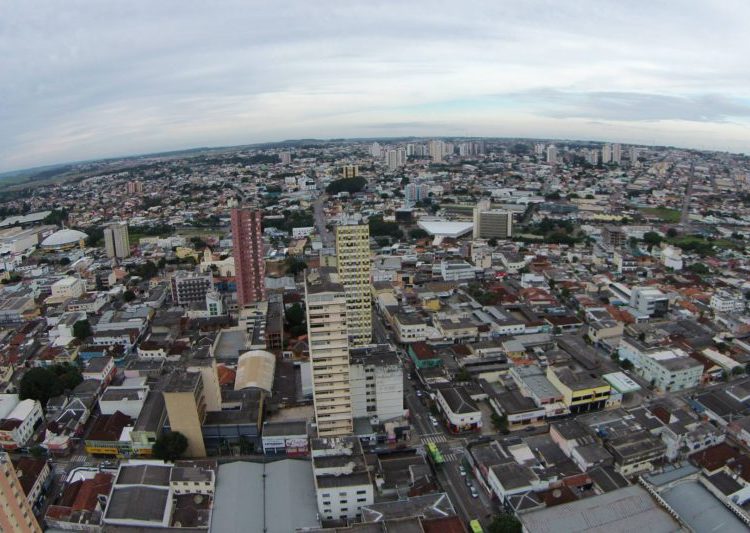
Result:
x=452 y=457
x=79 y=458
x=434 y=438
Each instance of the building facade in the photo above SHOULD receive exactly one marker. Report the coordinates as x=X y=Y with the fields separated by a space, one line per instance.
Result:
x=353 y=259
x=116 y=240
x=249 y=262
x=377 y=384
x=328 y=339
x=492 y=223
x=185 y=400
x=16 y=515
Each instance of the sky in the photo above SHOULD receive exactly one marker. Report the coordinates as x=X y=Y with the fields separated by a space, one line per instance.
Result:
x=101 y=78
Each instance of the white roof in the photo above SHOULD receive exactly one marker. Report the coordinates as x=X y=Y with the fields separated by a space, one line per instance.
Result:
x=621 y=382
x=23 y=410
x=446 y=228
x=255 y=369
x=63 y=237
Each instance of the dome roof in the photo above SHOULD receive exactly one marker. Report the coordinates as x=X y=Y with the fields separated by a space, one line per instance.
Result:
x=63 y=237
x=255 y=369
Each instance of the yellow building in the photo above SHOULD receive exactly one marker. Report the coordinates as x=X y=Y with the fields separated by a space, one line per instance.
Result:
x=582 y=391
x=353 y=258
x=186 y=408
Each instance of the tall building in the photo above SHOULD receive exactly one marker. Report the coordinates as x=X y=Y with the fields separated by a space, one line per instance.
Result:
x=592 y=157
x=328 y=339
x=285 y=157
x=395 y=158
x=134 y=187
x=492 y=223
x=185 y=400
x=376 y=151
x=552 y=154
x=539 y=149
x=414 y=192
x=116 y=240
x=606 y=154
x=16 y=515
x=353 y=258
x=350 y=171
x=249 y=262
x=616 y=153
x=437 y=151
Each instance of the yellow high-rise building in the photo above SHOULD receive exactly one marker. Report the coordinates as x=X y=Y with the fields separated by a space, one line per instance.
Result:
x=185 y=399
x=16 y=515
x=328 y=339
x=353 y=260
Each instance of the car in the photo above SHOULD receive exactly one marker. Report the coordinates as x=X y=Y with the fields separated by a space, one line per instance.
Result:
x=434 y=422
x=530 y=428
x=462 y=471
x=473 y=491
x=419 y=393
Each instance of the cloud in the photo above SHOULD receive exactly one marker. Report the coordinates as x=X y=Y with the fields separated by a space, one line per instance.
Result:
x=90 y=79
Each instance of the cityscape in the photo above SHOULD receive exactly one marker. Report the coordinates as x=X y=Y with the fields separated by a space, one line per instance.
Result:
x=425 y=334
x=384 y=267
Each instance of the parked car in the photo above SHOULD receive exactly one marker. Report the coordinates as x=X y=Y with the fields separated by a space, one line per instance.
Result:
x=462 y=471
x=473 y=491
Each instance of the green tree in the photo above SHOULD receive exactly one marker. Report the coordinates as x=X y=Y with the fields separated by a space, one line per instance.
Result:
x=463 y=375
x=418 y=233
x=295 y=315
x=295 y=266
x=492 y=242
x=170 y=446
x=652 y=238
x=40 y=384
x=505 y=523
x=671 y=233
x=350 y=185
x=699 y=268
x=500 y=422
x=128 y=296
x=82 y=330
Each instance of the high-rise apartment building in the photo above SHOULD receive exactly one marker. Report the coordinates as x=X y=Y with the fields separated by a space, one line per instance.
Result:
x=16 y=515
x=437 y=151
x=414 y=192
x=328 y=339
x=116 y=240
x=189 y=287
x=606 y=154
x=492 y=223
x=350 y=171
x=552 y=154
x=376 y=151
x=249 y=262
x=185 y=400
x=134 y=187
x=395 y=158
x=285 y=158
x=353 y=259
x=616 y=153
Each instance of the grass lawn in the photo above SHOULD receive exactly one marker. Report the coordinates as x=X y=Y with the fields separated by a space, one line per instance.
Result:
x=667 y=215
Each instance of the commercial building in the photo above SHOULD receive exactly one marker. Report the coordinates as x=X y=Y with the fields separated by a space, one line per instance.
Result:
x=249 y=256
x=328 y=339
x=581 y=390
x=350 y=171
x=459 y=410
x=16 y=515
x=649 y=301
x=353 y=259
x=492 y=223
x=728 y=302
x=377 y=383
x=17 y=427
x=67 y=287
x=116 y=240
x=186 y=408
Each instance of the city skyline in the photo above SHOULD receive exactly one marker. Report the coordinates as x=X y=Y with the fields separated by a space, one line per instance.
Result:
x=194 y=76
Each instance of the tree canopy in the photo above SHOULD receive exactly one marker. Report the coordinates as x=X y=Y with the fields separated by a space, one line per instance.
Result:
x=82 y=330
x=505 y=523
x=350 y=185
x=170 y=446
x=44 y=383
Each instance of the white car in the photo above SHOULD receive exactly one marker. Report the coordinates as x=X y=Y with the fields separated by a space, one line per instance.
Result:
x=474 y=493
x=434 y=421
x=462 y=471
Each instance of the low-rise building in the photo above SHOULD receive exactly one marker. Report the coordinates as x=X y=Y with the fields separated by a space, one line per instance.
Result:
x=17 y=427
x=459 y=410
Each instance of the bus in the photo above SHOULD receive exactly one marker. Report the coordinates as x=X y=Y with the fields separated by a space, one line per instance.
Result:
x=437 y=457
x=475 y=526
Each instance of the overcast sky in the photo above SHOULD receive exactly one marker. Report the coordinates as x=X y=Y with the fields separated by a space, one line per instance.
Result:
x=98 y=78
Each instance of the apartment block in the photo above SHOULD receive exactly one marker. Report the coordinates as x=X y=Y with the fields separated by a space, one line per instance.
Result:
x=328 y=339
x=353 y=259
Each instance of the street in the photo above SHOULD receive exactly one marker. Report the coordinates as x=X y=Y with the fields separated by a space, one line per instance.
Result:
x=320 y=221
x=451 y=446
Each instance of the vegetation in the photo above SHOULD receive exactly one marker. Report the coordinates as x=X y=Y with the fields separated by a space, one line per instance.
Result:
x=43 y=383
x=295 y=319
x=663 y=213
x=128 y=296
x=170 y=446
x=555 y=231
x=292 y=219
x=350 y=185
x=380 y=228
x=418 y=233
x=82 y=330
x=146 y=270
x=698 y=268
x=294 y=266
x=505 y=523
x=500 y=423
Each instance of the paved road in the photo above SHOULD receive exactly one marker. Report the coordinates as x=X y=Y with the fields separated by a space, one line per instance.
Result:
x=320 y=221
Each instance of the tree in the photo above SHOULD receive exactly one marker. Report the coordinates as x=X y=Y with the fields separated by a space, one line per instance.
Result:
x=492 y=242
x=505 y=523
x=350 y=185
x=698 y=268
x=82 y=330
x=500 y=423
x=418 y=233
x=295 y=315
x=463 y=375
x=40 y=384
x=170 y=446
x=652 y=238
x=295 y=266
x=671 y=233
x=128 y=296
